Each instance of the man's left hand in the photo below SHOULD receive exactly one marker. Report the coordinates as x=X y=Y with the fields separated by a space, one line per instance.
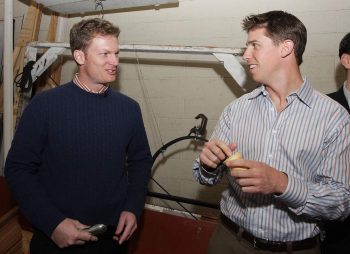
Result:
x=126 y=227
x=258 y=177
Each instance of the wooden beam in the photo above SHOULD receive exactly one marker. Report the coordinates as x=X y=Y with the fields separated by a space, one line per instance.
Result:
x=53 y=74
x=31 y=25
x=29 y=32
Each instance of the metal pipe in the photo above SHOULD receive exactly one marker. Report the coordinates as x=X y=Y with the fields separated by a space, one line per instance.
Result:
x=8 y=76
x=203 y=50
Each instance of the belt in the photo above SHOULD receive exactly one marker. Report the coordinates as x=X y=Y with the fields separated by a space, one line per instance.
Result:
x=274 y=246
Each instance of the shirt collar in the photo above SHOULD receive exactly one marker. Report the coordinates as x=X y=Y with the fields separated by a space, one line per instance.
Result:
x=257 y=92
x=304 y=93
x=80 y=84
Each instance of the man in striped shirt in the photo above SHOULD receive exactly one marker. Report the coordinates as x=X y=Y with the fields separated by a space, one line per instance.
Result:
x=295 y=143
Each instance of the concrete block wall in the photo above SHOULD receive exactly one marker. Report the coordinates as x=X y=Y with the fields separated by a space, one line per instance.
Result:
x=173 y=89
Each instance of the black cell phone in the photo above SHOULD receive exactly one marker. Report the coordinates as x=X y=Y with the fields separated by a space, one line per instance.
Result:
x=96 y=229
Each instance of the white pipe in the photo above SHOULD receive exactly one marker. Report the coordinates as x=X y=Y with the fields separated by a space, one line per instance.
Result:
x=204 y=50
x=8 y=76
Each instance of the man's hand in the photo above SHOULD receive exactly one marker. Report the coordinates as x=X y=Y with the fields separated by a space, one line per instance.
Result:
x=68 y=233
x=214 y=152
x=259 y=177
x=126 y=227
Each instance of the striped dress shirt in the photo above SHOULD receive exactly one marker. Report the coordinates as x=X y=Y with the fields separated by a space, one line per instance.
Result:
x=309 y=140
x=79 y=83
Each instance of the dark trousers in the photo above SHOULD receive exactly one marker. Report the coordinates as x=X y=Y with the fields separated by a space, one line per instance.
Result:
x=41 y=244
x=337 y=237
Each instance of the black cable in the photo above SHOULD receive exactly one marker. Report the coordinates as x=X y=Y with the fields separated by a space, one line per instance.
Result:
x=24 y=79
x=169 y=195
x=164 y=147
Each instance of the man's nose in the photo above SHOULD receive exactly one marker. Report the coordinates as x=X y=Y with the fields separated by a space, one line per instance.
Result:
x=246 y=54
x=114 y=59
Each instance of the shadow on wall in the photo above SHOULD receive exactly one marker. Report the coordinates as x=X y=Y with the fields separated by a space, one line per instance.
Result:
x=218 y=68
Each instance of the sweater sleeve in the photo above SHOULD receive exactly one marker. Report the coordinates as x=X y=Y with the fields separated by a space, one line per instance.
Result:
x=22 y=166
x=139 y=163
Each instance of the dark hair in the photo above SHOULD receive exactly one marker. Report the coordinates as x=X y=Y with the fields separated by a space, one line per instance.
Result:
x=344 y=45
x=84 y=31
x=280 y=26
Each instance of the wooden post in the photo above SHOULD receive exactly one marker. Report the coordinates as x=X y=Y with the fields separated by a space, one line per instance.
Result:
x=52 y=76
x=29 y=33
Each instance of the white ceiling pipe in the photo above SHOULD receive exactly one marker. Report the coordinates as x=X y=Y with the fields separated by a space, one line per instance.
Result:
x=8 y=76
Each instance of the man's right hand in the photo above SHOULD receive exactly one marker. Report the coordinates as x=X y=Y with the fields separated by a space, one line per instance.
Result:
x=68 y=233
x=214 y=152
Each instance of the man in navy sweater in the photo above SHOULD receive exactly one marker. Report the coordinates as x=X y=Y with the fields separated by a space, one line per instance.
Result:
x=80 y=155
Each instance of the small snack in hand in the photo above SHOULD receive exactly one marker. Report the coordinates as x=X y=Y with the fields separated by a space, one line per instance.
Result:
x=235 y=156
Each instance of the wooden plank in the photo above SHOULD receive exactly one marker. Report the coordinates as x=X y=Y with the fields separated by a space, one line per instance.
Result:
x=29 y=32
x=30 y=27
x=53 y=74
x=10 y=233
x=56 y=68
x=51 y=36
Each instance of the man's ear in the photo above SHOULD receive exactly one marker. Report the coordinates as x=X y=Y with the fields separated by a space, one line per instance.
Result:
x=79 y=56
x=287 y=48
x=345 y=60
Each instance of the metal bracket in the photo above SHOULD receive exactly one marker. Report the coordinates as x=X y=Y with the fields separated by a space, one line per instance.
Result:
x=45 y=61
x=199 y=130
x=233 y=66
x=228 y=56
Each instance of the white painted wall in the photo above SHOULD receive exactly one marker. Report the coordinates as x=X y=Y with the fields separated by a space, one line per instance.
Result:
x=181 y=86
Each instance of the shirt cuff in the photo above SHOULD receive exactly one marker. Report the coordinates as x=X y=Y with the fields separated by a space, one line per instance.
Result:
x=296 y=193
x=207 y=173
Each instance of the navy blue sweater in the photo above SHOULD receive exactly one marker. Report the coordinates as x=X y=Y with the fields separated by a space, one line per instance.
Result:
x=79 y=155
